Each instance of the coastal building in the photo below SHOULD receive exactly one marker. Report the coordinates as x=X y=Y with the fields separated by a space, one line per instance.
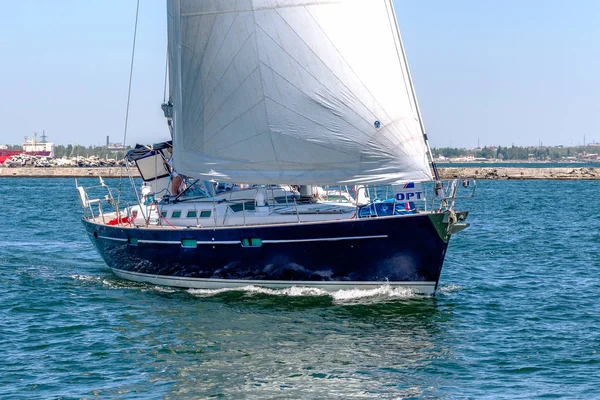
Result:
x=32 y=146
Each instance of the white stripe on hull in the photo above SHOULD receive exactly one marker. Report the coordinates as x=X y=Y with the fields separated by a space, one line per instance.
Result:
x=110 y=238
x=177 y=242
x=326 y=239
x=424 y=287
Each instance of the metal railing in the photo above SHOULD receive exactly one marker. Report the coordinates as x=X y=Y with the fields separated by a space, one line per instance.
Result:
x=368 y=201
x=436 y=197
x=87 y=203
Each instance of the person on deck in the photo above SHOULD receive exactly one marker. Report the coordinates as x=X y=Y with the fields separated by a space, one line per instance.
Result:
x=176 y=179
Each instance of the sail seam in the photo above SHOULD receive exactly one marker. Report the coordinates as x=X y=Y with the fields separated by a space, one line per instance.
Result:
x=350 y=68
x=198 y=111
x=234 y=118
x=303 y=116
x=220 y=47
x=224 y=71
x=308 y=72
x=262 y=87
x=392 y=121
x=313 y=121
x=244 y=140
x=368 y=136
x=199 y=70
x=237 y=115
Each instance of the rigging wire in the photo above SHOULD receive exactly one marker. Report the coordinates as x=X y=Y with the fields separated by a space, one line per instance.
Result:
x=137 y=10
x=402 y=57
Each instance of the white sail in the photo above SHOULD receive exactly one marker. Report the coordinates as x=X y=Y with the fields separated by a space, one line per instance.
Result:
x=292 y=92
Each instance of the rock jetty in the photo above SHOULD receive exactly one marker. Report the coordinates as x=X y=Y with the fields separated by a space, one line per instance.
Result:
x=64 y=172
x=446 y=173
x=520 y=173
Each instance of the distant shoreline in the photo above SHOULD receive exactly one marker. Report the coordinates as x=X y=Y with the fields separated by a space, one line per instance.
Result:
x=492 y=173
x=64 y=172
x=528 y=173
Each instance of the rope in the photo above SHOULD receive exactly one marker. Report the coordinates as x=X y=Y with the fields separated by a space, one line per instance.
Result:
x=128 y=101
x=164 y=219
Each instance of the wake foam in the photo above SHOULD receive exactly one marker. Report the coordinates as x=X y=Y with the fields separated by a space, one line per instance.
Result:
x=116 y=283
x=293 y=291
x=446 y=290
x=383 y=292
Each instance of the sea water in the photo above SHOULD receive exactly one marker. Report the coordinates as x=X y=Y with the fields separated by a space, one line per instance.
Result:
x=517 y=314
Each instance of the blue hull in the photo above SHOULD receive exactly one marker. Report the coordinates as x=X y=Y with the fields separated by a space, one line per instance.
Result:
x=396 y=250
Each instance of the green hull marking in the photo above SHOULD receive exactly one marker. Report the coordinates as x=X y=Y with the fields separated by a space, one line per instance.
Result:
x=441 y=221
x=440 y=226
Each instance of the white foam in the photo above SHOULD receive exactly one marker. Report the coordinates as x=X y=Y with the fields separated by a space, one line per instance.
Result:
x=445 y=290
x=86 y=278
x=291 y=291
x=163 y=289
x=382 y=292
x=122 y=284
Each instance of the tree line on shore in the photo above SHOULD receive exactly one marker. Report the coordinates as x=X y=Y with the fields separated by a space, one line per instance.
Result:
x=83 y=151
x=540 y=153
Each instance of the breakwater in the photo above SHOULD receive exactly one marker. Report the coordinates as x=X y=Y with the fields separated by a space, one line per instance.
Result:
x=499 y=173
x=496 y=173
x=65 y=172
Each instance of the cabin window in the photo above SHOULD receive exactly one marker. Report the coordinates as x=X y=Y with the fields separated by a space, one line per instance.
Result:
x=204 y=214
x=164 y=214
x=191 y=214
x=133 y=241
x=189 y=243
x=251 y=242
x=247 y=206
x=176 y=214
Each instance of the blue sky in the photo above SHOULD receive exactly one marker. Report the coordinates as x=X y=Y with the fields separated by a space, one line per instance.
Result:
x=497 y=72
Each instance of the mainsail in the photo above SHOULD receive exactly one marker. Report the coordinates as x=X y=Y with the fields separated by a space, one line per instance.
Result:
x=292 y=92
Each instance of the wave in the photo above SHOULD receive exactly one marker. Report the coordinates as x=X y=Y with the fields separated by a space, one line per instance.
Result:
x=384 y=292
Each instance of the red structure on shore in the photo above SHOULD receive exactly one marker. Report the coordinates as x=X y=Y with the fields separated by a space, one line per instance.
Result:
x=6 y=154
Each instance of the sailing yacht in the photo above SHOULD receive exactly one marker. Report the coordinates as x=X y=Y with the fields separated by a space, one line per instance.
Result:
x=298 y=129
